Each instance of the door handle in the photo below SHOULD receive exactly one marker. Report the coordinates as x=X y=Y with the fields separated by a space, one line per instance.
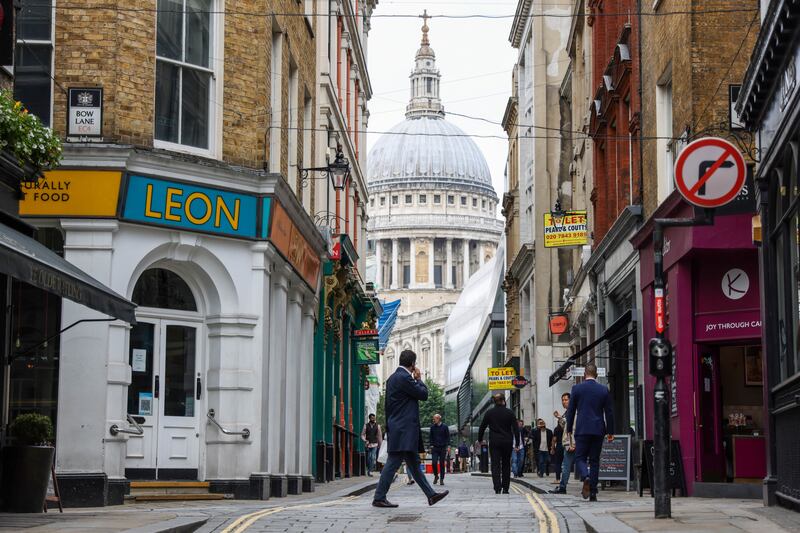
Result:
x=199 y=387
x=157 y=387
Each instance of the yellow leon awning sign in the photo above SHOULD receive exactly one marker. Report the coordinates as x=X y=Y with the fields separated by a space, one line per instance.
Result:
x=500 y=378
x=77 y=193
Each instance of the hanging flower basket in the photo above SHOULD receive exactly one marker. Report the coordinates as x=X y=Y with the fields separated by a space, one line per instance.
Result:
x=23 y=138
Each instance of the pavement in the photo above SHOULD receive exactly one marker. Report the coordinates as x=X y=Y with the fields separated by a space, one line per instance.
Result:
x=345 y=506
x=163 y=517
x=618 y=511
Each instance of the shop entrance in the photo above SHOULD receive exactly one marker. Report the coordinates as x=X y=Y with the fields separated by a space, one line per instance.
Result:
x=166 y=382
x=730 y=422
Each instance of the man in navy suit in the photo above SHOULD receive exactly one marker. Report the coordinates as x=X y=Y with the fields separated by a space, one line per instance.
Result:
x=404 y=390
x=592 y=402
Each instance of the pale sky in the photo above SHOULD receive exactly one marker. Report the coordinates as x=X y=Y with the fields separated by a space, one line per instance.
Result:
x=473 y=56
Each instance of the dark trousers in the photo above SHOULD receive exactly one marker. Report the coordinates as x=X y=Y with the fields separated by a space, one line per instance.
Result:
x=557 y=459
x=438 y=456
x=587 y=449
x=500 y=453
x=390 y=469
x=542 y=458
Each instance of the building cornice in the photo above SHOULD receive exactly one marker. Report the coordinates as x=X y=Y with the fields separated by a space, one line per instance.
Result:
x=522 y=266
x=779 y=30
x=520 y=22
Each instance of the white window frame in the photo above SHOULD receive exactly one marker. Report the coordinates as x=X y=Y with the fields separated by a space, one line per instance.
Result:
x=664 y=129
x=52 y=43
x=216 y=59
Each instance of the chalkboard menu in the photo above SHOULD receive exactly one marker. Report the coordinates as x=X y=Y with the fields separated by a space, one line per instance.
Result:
x=676 y=479
x=615 y=459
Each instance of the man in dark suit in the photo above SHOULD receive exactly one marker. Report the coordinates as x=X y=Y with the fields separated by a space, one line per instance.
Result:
x=404 y=390
x=592 y=402
x=502 y=426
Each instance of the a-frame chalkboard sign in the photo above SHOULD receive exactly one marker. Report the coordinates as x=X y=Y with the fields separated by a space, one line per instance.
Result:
x=676 y=480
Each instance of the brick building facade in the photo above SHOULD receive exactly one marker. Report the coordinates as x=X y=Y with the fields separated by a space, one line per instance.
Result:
x=693 y=57
x=193 y=203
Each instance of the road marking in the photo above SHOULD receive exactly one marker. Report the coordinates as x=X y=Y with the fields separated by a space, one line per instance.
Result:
x=548 y=522
x=245 y=521
x=550 y=515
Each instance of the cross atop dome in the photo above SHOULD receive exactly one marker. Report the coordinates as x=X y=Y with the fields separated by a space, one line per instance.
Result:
x=425 y=17
x=425 y=79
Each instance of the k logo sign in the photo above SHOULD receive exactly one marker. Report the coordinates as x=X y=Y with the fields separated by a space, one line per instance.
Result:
x=735 y=284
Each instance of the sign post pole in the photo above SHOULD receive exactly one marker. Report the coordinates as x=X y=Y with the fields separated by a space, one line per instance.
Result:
x=709 y=173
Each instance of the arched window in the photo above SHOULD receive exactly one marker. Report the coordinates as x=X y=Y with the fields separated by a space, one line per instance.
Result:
x=158 y=287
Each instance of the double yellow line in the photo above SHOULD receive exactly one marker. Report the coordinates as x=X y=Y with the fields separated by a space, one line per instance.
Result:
x=245 y=521
x=548 y=522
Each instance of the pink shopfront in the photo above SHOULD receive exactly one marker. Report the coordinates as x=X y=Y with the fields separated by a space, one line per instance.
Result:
x=714 y=325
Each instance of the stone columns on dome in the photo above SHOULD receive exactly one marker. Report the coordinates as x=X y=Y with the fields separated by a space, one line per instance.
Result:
x=431 y=262
x=412 y=283
x=395 y=253
x=378 y=265
x=448 y=274
x=466 y=262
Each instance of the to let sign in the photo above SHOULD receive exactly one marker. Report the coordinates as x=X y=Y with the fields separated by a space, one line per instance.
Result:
x=500 y=378
x=85 y=113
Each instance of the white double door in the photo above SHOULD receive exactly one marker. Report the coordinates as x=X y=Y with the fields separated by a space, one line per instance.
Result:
x=167 y=391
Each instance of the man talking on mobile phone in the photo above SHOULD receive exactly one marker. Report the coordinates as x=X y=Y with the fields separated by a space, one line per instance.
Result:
x=404 y=391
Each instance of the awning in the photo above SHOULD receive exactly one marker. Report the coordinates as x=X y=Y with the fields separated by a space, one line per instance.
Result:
x=608 y=335
x=29 y=261
x=386 y=322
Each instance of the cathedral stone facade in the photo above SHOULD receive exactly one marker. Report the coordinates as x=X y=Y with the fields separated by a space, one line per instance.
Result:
x=432 y=218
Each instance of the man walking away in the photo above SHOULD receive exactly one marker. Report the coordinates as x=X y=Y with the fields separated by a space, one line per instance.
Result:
x=518 y=458
x=502 y=425
x=404 y=390
x=592 y=403
x=568 y=447
x=440 y=447
x=541 y=445
x=463 y=456
x=371 y=435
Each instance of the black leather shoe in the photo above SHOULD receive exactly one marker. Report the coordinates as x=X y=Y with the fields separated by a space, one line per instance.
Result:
x=435 y=480
x=383 y=503
x=437 y=497
x=441 y=482
x=558 y=490
x=593 y=497
x=505 y=491
x=586 y=488
x=497 y=491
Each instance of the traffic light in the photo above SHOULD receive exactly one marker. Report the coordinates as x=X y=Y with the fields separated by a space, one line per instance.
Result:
x=660 y=358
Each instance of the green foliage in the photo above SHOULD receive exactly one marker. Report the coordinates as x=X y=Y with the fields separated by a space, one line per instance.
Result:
x=434 y=404
x=32 y=429
x=380 y=416
x=24 y=137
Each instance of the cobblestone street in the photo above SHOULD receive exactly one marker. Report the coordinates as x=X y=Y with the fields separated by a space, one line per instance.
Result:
x=471 y=506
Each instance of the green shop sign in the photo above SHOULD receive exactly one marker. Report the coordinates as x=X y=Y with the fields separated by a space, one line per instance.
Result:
x=366 y=347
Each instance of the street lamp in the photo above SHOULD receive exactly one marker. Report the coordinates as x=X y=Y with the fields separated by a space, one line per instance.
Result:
x=338 y=171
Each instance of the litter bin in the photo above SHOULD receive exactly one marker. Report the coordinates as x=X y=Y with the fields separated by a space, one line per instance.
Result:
x=484 y=458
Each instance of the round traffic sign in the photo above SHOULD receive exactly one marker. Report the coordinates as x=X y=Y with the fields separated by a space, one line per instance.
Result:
x=710 y=172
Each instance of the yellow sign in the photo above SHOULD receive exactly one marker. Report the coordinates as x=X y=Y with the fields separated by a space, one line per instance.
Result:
x=500 y=378
x=571 y=229
x=73 y=193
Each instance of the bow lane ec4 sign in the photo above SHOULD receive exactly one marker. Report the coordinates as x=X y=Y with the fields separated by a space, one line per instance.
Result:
x=185 y=206
x=85 y=113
